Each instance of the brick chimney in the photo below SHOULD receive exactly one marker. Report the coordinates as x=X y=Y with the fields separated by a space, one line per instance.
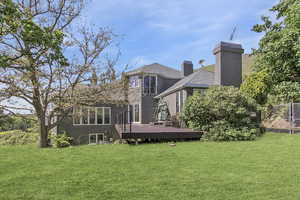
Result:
x=228 y=69
x=187 y=68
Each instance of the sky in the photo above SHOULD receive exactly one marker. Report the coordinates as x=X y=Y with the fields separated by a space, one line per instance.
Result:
x=171 y=31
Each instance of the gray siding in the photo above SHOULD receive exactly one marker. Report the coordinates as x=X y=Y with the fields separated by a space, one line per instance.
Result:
x=147 y=102
x=171 y=100
x=80 y=133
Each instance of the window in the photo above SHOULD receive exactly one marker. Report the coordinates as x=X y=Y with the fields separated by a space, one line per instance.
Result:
x=93 y=139
x=107 y=115
x=130 y=113
x=134 y=81
x=76 y=115
x=92 y=116
x=99 y=115
x=96 y=138
x=150 y=84
x=134 y=113
x=179 y=101
x=146 y=84
x=84 y=116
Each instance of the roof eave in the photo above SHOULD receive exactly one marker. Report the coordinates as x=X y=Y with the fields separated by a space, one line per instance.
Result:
x=188 y=85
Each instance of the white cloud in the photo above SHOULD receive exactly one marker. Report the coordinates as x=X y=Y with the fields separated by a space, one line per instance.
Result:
x=189 y=29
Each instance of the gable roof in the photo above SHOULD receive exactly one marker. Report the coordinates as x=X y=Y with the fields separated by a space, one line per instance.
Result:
x=156 y=68
x=199 y=79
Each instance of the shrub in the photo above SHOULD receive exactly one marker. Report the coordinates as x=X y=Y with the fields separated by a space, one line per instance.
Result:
x=18 y=137
x=223 y=113
x=61 y=140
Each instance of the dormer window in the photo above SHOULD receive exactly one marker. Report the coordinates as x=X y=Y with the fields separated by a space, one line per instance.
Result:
x=150 y=85
x=134 y=81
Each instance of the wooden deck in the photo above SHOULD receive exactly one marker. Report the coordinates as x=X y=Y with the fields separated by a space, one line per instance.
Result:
x=147 y=131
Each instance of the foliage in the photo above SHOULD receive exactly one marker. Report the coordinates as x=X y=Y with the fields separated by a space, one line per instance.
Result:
x=47 y=62
x=18 y=137
x=279 y=50
x=223 y=131
x=285 y=92
x=224 y=113
x=61 y=140
x=9 y=122
x=257 y=86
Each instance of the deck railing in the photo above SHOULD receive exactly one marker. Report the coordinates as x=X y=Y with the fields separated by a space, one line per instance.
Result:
x=124 y=121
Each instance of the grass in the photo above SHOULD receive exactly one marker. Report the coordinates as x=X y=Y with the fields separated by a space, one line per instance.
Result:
x=268 y=168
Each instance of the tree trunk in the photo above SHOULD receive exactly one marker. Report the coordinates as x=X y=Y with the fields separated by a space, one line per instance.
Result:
x=43 y=135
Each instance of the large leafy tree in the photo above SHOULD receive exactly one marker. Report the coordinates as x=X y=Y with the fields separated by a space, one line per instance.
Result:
x=278 y=56
x=279 y=49
x=44 y=59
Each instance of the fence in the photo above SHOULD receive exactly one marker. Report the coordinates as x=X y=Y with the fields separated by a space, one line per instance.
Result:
x=283 y=118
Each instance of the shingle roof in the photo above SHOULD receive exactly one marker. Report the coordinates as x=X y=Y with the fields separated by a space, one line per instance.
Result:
x=198 y=79
x=156 y=68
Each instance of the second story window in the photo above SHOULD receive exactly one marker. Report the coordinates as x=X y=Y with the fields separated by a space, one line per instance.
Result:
x=150 y=84
x=134 y=81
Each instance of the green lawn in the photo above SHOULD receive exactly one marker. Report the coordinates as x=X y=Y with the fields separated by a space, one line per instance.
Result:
x=268 y=168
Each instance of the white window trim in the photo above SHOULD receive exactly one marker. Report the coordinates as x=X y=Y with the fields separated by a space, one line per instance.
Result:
x=180 y=104
x=96 y=134
x=143 y=88
x=95 y=124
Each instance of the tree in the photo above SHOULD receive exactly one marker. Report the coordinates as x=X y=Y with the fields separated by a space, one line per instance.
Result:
x=285 y=92
x=257 y=86
x=278 y=55
x=279 y=49
x=224 y=113
x=45 y=60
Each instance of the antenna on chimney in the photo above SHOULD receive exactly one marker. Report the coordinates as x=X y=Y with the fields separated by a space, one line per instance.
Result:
x=233 y=33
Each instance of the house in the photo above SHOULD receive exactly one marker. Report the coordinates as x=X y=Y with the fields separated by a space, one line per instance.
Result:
x=228 y=72
x=147 y=85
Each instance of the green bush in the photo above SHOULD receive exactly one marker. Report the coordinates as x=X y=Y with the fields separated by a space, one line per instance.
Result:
x=18 y=137
x=10 y=122
x=61 y=140
x=223 y=113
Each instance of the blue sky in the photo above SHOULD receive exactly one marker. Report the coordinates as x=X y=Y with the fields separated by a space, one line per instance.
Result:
x=170 y=31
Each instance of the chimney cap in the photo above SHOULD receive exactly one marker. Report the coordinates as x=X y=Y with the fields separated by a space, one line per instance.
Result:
x=187 y=62
x=228 y=46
